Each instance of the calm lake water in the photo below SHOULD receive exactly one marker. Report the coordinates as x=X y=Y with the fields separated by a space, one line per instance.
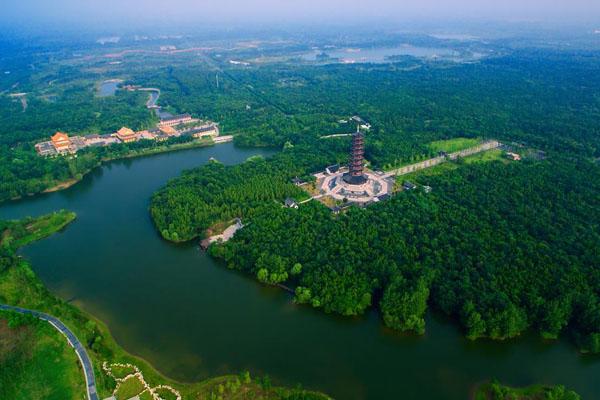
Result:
x=193 y=318
x=108 y=88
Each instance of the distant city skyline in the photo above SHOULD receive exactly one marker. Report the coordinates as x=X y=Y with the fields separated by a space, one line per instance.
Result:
x=102 y=12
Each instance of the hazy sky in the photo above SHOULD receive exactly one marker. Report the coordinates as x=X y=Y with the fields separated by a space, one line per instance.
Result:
x=301 y=11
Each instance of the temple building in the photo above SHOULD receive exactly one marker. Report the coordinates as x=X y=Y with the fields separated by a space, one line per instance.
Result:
x=126 y=135
x=206 y=130
x=61 y=142
x=45 y=149
x=168 y=130
x=339 y=186
x=177 y=120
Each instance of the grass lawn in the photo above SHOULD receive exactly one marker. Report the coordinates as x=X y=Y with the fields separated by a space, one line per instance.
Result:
x=129 y=388
x=166 y=394
x=486 y=156
x=452 y=145
x=122 y=372
x=433 y=171
x=146 y=396
x=448 y=146
x=37 y=363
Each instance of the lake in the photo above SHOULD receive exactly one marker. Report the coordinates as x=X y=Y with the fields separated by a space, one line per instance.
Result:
x=109 y=88
x=380 y=55
x=192 y=318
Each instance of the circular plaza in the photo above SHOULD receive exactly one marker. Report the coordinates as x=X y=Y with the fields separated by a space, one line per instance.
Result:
x=370 y=189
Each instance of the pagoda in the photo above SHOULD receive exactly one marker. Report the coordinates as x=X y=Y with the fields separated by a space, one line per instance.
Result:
x=355 y=174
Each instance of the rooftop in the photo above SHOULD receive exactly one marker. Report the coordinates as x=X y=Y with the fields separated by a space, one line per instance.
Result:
x=168 y=130
x=58 y=136
x=175 y=117
x=124 y=131
x=289 y=202
x=409 y=185
x=200 y=129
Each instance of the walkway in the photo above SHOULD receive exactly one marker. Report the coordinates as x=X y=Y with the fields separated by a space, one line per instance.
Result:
x=336 y=135
x=88 y=369
x=153 y=99
x=485 y=146
x=223 y=139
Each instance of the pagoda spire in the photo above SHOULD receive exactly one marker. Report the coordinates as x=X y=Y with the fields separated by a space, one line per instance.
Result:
x=355 y=175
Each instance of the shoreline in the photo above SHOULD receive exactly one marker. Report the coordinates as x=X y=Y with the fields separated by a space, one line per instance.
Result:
x=199 y=240
x=58 y=186
x=20 y=277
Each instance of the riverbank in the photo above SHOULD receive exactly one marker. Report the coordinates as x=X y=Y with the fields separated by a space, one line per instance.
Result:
x=61 y=186
x=19 y=286
x=56 y=186
x=496 y=391
x=21 y=279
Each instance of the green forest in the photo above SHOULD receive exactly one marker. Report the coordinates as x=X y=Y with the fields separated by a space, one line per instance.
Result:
x=543 y=98
x=501 y=248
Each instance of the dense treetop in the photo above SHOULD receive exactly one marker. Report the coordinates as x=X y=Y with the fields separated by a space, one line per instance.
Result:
x=501 y=247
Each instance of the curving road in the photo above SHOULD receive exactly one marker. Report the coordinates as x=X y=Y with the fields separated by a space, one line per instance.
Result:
x=88 y=369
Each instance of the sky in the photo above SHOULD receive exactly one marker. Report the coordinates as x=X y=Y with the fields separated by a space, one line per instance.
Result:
x=102 y=12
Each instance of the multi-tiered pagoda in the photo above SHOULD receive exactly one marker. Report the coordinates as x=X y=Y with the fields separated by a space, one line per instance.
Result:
x=355 y=174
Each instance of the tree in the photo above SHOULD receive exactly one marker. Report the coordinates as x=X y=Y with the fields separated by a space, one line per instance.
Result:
x=473 y=322
x=556 y=316
x=263 y=275
x=404 y=304
x=303 y=295
x=296 y=269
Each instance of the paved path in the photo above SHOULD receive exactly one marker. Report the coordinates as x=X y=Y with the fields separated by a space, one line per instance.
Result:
x=88 y=370
x=336 y=135
x=223 y=139
x=152 y=101
x=407 y=169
